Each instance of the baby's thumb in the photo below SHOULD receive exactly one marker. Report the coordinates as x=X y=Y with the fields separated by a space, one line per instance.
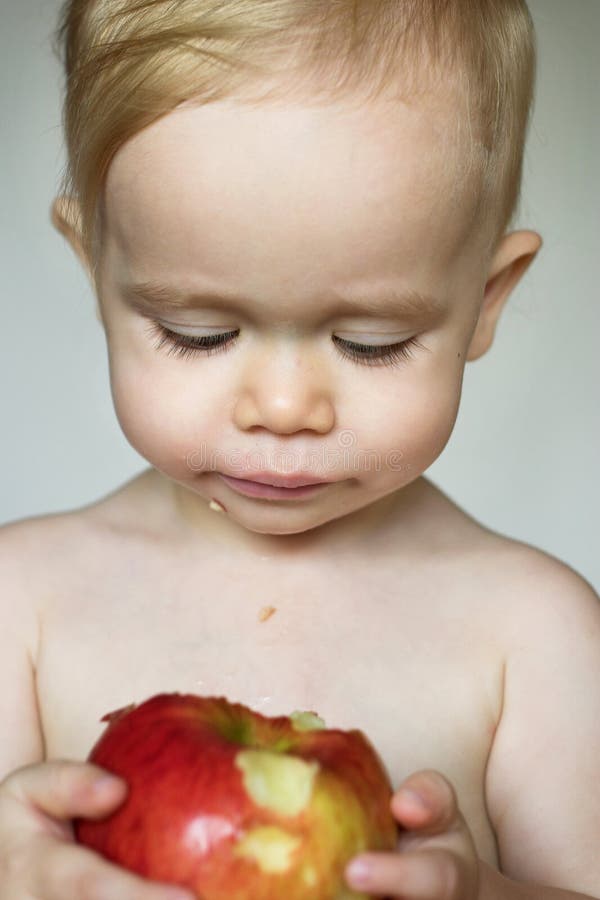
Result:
x=65 y=789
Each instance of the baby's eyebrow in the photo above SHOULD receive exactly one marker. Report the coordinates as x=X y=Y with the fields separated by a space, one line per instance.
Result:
x=152 y=296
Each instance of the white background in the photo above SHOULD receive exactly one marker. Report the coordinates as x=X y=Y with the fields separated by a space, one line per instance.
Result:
x=524 y=453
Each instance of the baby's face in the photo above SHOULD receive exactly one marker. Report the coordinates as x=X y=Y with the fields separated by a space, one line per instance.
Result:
x=274 y=218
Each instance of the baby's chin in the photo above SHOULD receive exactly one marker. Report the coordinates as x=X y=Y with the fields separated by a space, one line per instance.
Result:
x=283 y=523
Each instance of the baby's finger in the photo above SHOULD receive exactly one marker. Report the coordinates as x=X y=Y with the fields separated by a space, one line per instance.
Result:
x=421 y=875
x=68 y=870
x=65 y=789
x=426 y=802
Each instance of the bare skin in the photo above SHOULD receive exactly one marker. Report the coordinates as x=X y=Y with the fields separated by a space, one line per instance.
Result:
x=405 y=648
x=377 y=601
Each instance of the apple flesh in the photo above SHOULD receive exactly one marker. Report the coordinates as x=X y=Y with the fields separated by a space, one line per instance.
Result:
x=235 y=805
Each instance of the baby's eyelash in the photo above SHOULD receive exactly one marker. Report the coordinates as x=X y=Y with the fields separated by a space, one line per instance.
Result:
x=381 y=354
x=185 y=346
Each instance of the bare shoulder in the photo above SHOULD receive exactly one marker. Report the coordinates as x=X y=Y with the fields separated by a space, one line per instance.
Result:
x=34 y=543
x=45 y=556
x=34 y=564
x=546 y=617
x=525 y=579
x=20 y=562
x=537 y=585
x=26 y=548
x=549 y=609
x=35 y=549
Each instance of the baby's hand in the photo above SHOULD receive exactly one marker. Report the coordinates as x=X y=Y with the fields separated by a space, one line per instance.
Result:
x=38 y=854
x=436 y=858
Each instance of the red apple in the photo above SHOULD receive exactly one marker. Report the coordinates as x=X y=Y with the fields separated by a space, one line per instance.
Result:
x=235 y=805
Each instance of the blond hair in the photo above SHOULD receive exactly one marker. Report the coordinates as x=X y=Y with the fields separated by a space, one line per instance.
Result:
x=129 y=62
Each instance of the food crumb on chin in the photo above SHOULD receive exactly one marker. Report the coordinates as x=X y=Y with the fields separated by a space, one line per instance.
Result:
x=266 y=613
x=216 y=506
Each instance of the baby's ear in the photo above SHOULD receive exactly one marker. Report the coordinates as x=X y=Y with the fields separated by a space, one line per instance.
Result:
x=513 y=257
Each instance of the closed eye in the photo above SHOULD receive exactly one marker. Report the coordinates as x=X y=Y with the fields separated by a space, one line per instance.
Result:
x=185 y=346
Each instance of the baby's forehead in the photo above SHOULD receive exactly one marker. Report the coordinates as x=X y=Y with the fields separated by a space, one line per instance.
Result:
x=301 y=153
x=427 y=135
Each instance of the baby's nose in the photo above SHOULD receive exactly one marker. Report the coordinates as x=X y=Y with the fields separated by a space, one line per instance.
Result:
x=289 y=393
x=284 y=411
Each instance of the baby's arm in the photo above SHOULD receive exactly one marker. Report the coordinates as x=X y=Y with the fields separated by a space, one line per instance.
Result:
x=22 y=739
x=543 y=774
x=542 y=778
x=38 y=799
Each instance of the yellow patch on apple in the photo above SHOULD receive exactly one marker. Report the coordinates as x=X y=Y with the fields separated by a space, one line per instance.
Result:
x=282 y=783
x=269 y=846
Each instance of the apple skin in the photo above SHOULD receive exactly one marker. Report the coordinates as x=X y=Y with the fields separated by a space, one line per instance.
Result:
x=234 y=805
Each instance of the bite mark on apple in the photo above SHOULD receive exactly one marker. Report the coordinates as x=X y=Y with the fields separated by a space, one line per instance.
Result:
x=280 y=782
x=307 y=721
x=270 y=847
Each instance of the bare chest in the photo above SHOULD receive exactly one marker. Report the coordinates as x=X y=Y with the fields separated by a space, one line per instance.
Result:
x=407 y=660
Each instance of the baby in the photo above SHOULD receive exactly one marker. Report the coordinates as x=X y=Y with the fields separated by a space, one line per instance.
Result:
x=295 y=220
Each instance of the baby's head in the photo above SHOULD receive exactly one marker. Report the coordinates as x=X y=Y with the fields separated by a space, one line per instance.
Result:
x=129 y=63
x=314 y=182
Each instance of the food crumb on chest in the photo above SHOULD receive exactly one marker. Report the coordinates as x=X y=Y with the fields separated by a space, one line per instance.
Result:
x=266 y=613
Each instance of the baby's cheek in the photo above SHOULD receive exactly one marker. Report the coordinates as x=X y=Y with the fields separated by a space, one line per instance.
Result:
x=149 y=413
x=424 y=417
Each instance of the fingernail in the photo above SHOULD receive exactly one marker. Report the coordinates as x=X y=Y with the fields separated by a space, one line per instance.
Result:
x=407 y=794
x=359 y=872
x=107 y=783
